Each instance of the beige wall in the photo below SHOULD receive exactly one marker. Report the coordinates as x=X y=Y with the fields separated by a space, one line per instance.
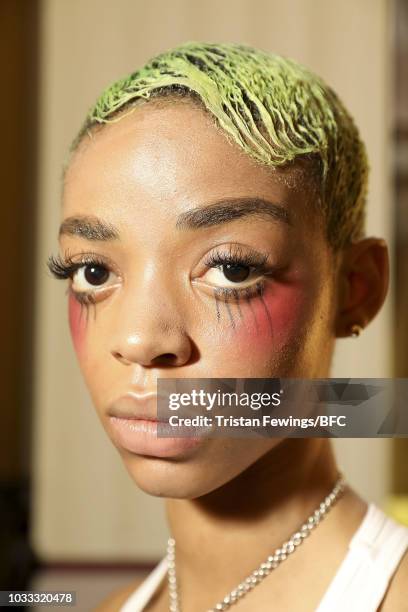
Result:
x=86 y=506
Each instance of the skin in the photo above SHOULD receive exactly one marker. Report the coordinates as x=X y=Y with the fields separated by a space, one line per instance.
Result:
x=157 y=317
x=77 y=323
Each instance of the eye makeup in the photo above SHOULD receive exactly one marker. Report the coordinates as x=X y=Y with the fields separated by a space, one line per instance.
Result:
x=234 y=256
x=249 y=271
x=236 y=296
x=248 y=301
x=223 y=291
x=260 y=289
x=65 y=267
x=77 y=323
x=242 y=304
x=236 y=266
x=217 y=306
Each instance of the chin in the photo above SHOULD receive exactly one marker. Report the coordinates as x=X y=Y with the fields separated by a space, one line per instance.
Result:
x=198 y=474
x=169 y=478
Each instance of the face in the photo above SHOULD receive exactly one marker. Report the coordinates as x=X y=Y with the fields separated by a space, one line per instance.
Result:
x=203 y=264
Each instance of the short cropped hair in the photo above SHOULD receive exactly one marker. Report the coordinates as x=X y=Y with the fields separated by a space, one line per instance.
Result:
x=272 y=107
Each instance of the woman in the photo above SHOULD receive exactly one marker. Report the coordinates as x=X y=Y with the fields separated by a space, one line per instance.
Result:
x=213 y=226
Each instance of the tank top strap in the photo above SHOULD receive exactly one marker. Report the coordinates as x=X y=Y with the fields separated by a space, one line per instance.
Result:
x=374 y=553
x=144 y=593
x=361 y=581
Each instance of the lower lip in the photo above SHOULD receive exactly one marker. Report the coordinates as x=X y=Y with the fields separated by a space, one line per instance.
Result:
x=140 y=436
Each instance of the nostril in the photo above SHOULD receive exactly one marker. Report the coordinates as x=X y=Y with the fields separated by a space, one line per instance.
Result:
x=120 y=357
x=165 y=358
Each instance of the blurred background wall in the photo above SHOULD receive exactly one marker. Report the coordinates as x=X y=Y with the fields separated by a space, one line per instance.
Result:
x=85 y=508
x=18 y=175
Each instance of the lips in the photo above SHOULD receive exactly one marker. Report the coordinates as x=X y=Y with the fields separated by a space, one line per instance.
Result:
x=135 y=406
x=133 y=426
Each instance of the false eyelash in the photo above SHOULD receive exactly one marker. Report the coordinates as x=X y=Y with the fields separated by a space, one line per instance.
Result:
x=237 y=256
x=236 y=293
x=83 y=297
x=64 y=267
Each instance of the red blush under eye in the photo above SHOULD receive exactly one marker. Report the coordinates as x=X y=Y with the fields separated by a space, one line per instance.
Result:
x=77 y=322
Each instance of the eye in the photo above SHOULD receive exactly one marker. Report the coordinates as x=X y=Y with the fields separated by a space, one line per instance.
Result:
x=231 y=274
x=236 y=273
x=91 y=276
x=235 y=266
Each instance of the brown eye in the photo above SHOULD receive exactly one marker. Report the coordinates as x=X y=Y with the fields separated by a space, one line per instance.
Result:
x=95 y=274
x=92 y=277
x=235 y=273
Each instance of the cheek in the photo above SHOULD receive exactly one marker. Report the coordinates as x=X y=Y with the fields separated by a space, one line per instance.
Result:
x=77 y=323
x=267 y=323
x=279 y=313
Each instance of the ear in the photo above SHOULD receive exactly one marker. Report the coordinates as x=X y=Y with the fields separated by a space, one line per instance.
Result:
x=363 y=277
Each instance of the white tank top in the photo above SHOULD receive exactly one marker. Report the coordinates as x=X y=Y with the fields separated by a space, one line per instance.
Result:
x=359 y=584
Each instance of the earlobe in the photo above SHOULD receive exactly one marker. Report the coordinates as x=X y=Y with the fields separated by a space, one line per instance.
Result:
x=355 y=330
x=363 y=278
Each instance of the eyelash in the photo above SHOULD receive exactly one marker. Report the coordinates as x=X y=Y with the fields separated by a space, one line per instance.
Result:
x=65 y=267
x=239 y=257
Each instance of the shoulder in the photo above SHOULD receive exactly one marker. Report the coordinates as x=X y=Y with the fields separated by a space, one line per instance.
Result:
x=396 y=596
x=115 y=600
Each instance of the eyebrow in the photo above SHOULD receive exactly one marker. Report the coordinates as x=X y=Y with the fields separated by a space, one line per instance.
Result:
x=230 y=209
x=91 y=227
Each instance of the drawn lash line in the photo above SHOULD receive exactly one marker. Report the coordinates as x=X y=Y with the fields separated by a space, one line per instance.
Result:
x=217 y=305
x=260 y=292
x=94 y=309
x=227 y=306
x=248 y=299
x=237 y=299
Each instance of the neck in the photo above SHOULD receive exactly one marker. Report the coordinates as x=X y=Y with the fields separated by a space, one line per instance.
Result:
x=274 y=496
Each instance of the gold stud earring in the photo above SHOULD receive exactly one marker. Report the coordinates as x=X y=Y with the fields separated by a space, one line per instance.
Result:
x=355 y=330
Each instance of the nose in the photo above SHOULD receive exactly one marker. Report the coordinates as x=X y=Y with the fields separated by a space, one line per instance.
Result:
x=171 y=347
x=150 y=331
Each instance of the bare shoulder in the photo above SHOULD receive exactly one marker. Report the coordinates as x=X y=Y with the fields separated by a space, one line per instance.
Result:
x=396 y=596
x=115 y=600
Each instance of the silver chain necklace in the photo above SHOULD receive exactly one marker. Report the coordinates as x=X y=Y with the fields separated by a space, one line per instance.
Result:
x=269 y=564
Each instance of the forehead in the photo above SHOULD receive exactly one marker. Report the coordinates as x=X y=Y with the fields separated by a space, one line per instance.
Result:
x=164 y=158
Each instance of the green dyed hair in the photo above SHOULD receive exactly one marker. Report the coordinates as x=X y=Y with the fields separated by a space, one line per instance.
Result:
x=272 y=107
